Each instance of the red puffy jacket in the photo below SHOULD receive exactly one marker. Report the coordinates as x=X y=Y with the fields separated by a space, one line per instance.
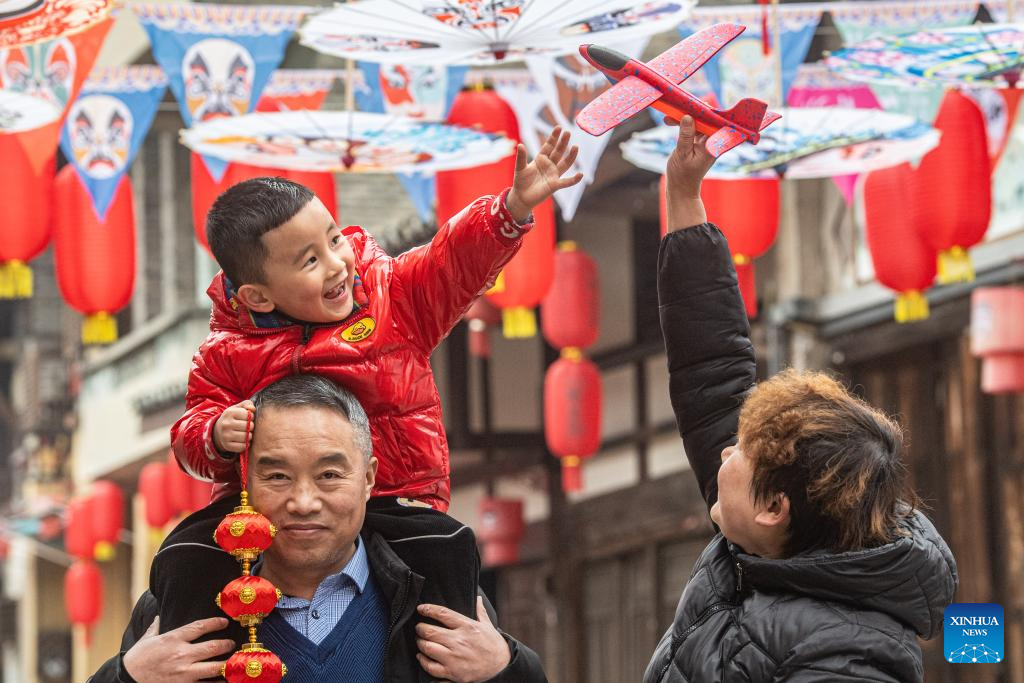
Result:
x=381 y=352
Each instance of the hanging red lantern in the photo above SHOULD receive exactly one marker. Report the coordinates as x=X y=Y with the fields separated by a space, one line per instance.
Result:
x=501 y=530
x=179 y=494
x=903 y=261
x=95 y=258
x=572 y=413
x=153 y=488
x=79 y=539
x=997 y=336
x=571 y=310
x=27 y=224
x=253 y=664
x=746 y=210
x=481 y=316
x=952 y=188
x=525 y=280
x=107 y=517
x=83 y=593
x=200 y=493
x=248 y=599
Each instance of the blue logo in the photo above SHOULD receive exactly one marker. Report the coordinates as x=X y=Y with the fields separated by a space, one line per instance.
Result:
x=973 y=633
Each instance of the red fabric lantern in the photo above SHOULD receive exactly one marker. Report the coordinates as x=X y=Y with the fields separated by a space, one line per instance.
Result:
x=107 y=517
x=253 y=664
x=501 y=530
x=244 y=533
x=903 y=261
x=83 y=593
x=572 y=413
x=200 y=493
x=27 y=198
x=953 y=188
x=746 y=210
x=179 y=494
x=525 y=280
x=153 y=487
x=95 y=258
x=571 y=311
x=79 y=538
x=248 y=599
x=480 y=316
x=997 y=335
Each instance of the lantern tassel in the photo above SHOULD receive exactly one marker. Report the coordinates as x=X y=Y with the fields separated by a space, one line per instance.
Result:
x=572 y=477
x=955 y=266
x=911 y=306
x=518 y=322
x=99 y=328
x=104 y=551
x=15 y=280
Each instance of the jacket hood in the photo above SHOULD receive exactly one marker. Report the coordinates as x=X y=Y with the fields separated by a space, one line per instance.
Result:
x=911 y=579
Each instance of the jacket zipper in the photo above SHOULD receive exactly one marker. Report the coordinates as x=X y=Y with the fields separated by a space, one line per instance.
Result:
x=739 y=577
x=307 y=332
x=678 y=641
x=401 y=609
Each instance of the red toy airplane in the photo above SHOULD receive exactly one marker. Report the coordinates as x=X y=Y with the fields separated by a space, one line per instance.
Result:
x=656 y=83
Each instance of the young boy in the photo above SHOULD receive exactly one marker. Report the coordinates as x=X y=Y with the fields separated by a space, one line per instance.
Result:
x=298 y=294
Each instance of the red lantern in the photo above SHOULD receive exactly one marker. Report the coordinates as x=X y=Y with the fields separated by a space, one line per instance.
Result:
x=108 y=517
x=95 y=258
x=571 y=311
x=153 y=487
x=83 y=593
x=244 y=533
x=572 y=413
x=179 y=494
x=480 y=316
x=200 y=493
x=253 y=664
x=248 y=599
x=501 y=530
x=746 y=210
x=903 y=261
x=953 y=188
x=525 y=280
x=27 y=224
x=78 y=532
x=997 y=335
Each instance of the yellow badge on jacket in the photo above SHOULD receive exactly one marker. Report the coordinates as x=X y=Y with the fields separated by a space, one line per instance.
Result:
x=359 y=330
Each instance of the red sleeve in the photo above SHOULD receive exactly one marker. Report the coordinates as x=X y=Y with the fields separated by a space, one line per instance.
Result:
x=434 y=284
x=208 y=395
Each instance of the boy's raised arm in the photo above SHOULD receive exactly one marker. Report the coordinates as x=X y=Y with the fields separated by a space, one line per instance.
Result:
x=434 y=284
x=707 y=337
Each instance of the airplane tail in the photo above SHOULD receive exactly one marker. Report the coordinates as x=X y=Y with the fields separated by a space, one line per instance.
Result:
x=748 y=114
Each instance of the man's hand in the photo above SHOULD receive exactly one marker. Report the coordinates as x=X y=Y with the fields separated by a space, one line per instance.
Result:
x=536 y=181
x=173 y=657
x=234 y=427
x=466 y=651
x=688 y=164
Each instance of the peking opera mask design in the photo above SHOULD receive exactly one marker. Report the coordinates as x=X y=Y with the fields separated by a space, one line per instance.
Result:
x=415 y=91
x=100 y=128
x=44 y=70
x=218 y=77
x=577 y=83
x=475 y=14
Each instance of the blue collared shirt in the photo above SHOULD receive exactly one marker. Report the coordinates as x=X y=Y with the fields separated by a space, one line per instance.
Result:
x=316 y=618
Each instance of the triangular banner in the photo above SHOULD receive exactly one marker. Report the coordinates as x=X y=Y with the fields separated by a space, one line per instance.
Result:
x=53 y=71
x=568 y=84
x=419 y=92
x=218 y=58
x=106 y=125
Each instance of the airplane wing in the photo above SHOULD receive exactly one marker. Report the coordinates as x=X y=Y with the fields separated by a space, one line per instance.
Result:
x=681 y=60
x=616 y=104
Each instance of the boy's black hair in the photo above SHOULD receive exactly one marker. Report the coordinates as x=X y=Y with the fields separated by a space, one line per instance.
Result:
x=240 y=217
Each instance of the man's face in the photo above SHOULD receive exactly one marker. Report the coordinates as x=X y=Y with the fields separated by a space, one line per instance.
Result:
x=310 y=267
x=308 y=477
x=735 y=511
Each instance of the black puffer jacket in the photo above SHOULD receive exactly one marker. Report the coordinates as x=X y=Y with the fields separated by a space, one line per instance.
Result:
x=813 y=617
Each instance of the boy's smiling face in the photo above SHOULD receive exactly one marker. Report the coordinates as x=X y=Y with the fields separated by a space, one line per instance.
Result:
x=309 y=270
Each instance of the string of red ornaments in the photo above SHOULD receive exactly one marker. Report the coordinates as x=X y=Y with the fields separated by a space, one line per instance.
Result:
x=245 y=533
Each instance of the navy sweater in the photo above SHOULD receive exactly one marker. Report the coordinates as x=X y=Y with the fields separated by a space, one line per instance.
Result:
x=352 y=652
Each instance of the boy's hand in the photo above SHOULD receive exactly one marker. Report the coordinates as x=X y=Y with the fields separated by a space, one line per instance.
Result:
x=690 y=160
x=234 y=427
x=536 y=181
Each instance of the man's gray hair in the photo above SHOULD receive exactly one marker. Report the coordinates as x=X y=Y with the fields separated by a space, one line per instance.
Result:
x=320 y=392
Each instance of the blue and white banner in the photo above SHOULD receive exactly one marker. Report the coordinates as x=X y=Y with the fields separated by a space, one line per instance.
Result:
x=742 y=69
x=425 y=93
x=106 y=125
x=218 y=58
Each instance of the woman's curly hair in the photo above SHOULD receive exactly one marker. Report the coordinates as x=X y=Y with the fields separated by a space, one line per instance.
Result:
x=836 y=458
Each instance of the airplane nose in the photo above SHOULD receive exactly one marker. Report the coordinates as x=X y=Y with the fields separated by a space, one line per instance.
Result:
x=606 y=58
